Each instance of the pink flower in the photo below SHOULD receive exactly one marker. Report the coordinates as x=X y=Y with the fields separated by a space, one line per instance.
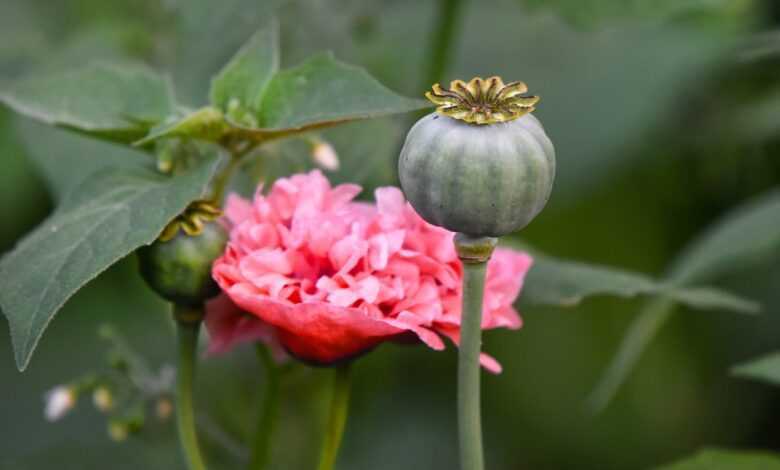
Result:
x=336 y=277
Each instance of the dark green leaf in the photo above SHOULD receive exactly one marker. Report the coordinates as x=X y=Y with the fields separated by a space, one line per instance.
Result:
x=111 y=101
x=104 y=219
x=746 y=236
x=242 y=82
x=765 y=368
x=567 y=283
x=719 y=459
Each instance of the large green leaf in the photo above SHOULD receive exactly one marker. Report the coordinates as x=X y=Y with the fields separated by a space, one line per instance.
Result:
x=566 y=283
x=720 y=459
x=65 y=158
x=746 y=236
x=245 y=78
x=251 y=98
x=107 y=217
x=117 y=102
x=765 y=368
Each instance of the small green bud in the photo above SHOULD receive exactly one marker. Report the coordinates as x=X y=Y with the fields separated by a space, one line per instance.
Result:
x=179 y=269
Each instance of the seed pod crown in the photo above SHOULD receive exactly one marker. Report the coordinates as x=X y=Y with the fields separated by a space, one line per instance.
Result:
x=483 y=101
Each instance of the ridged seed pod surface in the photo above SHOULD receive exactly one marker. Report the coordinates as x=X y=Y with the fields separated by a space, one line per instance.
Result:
x=480 y=180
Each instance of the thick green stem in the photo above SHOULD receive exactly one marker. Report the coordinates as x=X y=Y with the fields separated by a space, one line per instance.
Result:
x=475 y=253
x=266 y=424
x=188 y=321
x=339 y=404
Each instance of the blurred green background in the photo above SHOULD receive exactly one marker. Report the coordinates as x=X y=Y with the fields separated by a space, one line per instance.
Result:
x=665 y=114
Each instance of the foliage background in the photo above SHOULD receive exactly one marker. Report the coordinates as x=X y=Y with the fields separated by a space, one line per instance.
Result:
x=664 y=116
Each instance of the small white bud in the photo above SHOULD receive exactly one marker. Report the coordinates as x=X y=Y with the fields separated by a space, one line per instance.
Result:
x=325 y=156
x=59 y=401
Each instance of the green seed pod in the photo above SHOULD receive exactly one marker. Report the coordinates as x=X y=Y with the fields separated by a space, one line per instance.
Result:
x=178 y=265
x=481 y=165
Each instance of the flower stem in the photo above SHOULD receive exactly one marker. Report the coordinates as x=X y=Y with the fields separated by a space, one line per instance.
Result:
x=339 y=404
x=261 y=445
x=188 y=325
x=441 y=42
x=475 y=253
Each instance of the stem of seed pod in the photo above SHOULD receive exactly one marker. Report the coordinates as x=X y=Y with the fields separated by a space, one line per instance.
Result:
x=474 y=253
x=266 y=424
x=188 y=321
x=339 y=405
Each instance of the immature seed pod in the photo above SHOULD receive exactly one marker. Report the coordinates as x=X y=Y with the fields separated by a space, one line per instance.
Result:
x=481 y=164
x=178 y=265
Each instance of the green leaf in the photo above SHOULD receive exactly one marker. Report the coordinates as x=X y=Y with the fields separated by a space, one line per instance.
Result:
x=244 y=79
x=323 y=91
x=567 y=283
x=259 y=102
x=746 y=236
x=104 y=219
x=765 y=369
x=721 y=459
x=110 y=101
x=65 y=158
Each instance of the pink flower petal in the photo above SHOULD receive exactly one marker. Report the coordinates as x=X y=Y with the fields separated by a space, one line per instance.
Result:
x=335 y=277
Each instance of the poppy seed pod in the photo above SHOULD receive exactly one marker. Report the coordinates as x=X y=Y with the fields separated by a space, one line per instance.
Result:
x=481 y=164
x=178 y=265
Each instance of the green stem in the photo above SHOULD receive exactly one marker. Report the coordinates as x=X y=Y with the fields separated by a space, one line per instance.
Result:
x=339 y=405
x=475 y=253
x=261 y=445
x=188 y=321
x=222 y=179
x=440 y=52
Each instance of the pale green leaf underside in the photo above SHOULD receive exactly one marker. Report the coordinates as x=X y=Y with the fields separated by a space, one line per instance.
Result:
x=248 y=73
x=746 y=236
x=110 y=101
x=205 y=124
x=566 y=283
x=110 y=215
x=720 y=459
x=765 y=369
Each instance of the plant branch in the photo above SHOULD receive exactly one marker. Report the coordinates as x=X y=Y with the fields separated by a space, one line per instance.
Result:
x=441 y=48
x=188 y=325
x=268 y=416
x=474 y=253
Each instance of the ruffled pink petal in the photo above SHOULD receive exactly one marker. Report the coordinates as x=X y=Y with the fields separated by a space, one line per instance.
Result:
x=335 y=277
